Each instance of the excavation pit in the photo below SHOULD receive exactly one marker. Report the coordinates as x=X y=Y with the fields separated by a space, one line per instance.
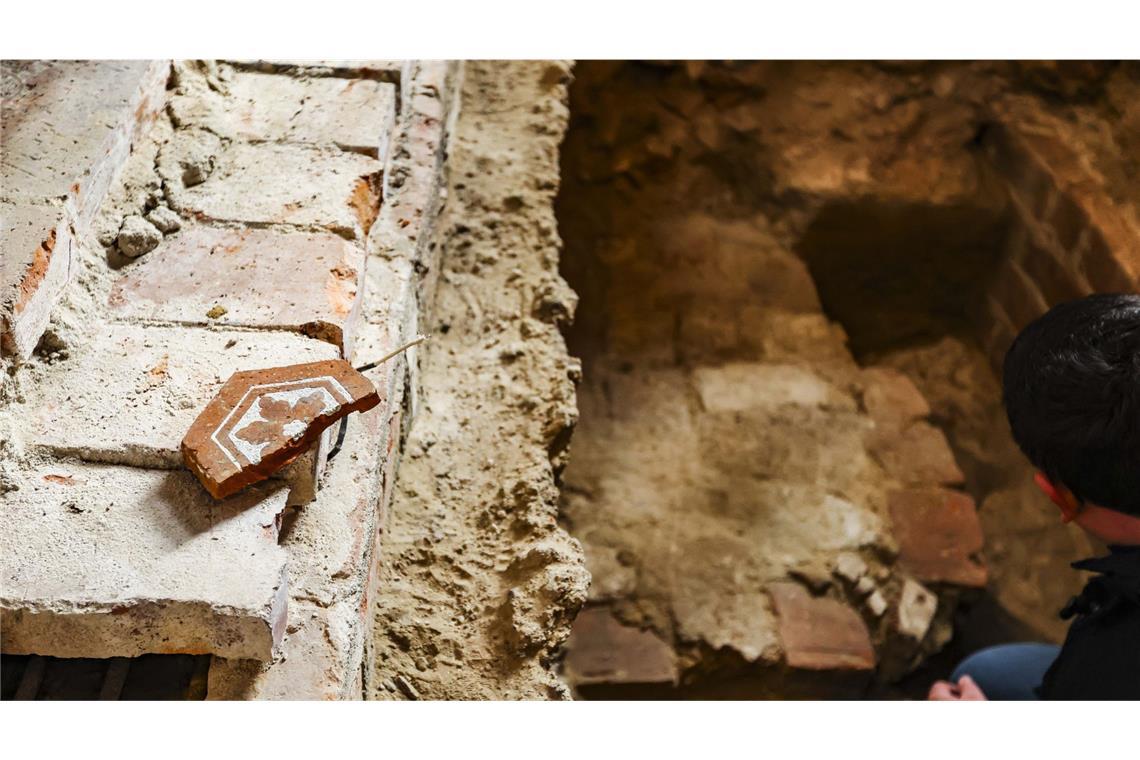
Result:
x=797 y=283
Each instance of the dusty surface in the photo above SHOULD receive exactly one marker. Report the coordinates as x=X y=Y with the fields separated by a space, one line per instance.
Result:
x=821 y=215
x=114 y=565
x=478 y=583
x=125 y=393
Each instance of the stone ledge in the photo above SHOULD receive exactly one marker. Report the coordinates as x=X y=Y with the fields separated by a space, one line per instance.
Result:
x=332 y=545
x=129 y=396
x=104 y=561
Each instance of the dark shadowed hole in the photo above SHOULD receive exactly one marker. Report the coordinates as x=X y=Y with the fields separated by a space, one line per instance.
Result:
x=899 y=275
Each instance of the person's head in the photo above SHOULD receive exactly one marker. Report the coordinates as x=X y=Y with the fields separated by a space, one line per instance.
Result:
x=1071 y=385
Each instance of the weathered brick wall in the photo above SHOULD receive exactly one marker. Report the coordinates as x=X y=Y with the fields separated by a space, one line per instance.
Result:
x=1068 y=238
x=275 y=212
x=67 y=131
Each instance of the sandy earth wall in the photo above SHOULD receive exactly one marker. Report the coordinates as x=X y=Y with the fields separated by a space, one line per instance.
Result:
x=478 y=582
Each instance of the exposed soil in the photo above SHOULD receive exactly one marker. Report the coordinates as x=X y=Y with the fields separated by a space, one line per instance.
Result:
x=829 y=216
x=478 y=582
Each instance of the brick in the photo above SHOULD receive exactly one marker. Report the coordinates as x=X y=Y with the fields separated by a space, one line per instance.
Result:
x=260 y=420
x=413 y=182
x=820 y=633
x=1018 y=295
x=917 y=606
x=130 y=393
x=1105 y=270
x=916 y=455
x=1032 y=150
x=603 y=650
x=998 y=336
x=939 y=536
x=69 y=125
x=332 y=551
x=1111 y=258
x=268 y=183
x=1030 y=182
x=352 y=114
x=891 y=398
x=1053 y=152
x=316 y=651
x=301 y=281
x=38 y=259
x=1056 y=282
x=67 y=128
x=737 y=386
x=1067 y=221
x=106 y=561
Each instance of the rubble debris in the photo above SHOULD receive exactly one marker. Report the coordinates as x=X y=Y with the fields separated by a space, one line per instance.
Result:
x=850 y=566
x=164 y=219
x=917 y=606
x=138 y=236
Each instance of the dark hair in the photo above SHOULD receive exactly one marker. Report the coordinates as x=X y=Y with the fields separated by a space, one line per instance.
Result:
x=1071 y=384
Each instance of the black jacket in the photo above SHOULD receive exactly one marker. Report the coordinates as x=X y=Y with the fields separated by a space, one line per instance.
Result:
x=1101 y=655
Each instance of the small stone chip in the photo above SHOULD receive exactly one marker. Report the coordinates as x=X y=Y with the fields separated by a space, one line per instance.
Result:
x=850 y=566
x=164 y=219
x=262 y=419
x=138 y=236
x=917 y=607
x=406 y=687
x=217 y=311
x=877 y=604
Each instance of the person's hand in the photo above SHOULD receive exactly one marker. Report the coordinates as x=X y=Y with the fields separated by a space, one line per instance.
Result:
x=964 y=691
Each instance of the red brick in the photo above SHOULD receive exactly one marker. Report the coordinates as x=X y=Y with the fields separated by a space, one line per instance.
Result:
x=1111 y=258
x=916 y=455
x=263 y=419
x=38 y=260
x=998 y=337
x=1031 y=151
x=891 y=398
x=305 y=282
x=1018 y=295
x=1067 y=220
x=603 y=650
x=1056 y=282
x=820 y=633
x=939 y=536
x=1030 y=182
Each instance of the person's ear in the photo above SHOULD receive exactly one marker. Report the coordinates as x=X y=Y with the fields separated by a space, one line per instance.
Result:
x=1060 y=496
